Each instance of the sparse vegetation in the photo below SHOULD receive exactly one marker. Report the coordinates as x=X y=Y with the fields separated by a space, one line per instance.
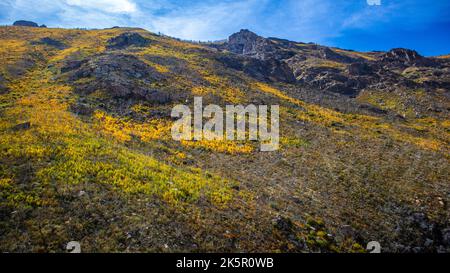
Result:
x=113 y=178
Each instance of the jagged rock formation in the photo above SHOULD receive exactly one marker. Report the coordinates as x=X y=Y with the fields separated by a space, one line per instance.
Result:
x=249 y=44
x=330 y=69
x=126 y=40
x=261 y=57
x=404 y=57
x=121 y=75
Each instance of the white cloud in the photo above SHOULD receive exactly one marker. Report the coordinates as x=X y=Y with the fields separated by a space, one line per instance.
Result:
x=370 y=15
x=71 y=13
x=112 y=6
x=302 y=20
x=208 y=21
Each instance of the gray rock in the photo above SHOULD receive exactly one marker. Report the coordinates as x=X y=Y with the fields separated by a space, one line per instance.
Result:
x=248 y=43
x=121 y=75
x=22 y=126
x=359 y=68
x=127 y=39
x=330 y=70
x=265 y=70
x=401 y=57
x=446 y=237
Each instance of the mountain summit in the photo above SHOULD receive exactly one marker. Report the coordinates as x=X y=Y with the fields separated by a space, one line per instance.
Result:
x=341 y=71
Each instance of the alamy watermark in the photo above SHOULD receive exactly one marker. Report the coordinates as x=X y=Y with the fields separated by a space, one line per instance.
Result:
x=73 y=247
x=230 y=124
x=372 y=247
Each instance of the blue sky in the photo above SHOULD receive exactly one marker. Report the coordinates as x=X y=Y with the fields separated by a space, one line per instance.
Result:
x=423 y=25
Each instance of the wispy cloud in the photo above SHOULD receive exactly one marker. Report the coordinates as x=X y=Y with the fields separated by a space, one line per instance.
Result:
x=113 y=6
x=206 y=21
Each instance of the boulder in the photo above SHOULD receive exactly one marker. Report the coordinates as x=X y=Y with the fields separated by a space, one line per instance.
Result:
x=22 y=126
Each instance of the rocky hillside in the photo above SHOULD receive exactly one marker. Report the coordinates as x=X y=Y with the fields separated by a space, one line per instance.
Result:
x=86 y=152
x=335 y=70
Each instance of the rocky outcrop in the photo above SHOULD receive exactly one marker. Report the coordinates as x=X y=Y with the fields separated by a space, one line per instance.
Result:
x=417 y=233
x=23 y=23
x=340 y=71
x=328 y=54
x=256 y=56
x=332 y=80
x=401 y=55
x=402 y=58
x=249 y=44
x=127 y=39
x=120 y=75
x=264 y=70
x=360 y=69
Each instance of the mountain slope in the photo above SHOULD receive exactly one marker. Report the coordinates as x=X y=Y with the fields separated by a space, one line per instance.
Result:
x=86 y=152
